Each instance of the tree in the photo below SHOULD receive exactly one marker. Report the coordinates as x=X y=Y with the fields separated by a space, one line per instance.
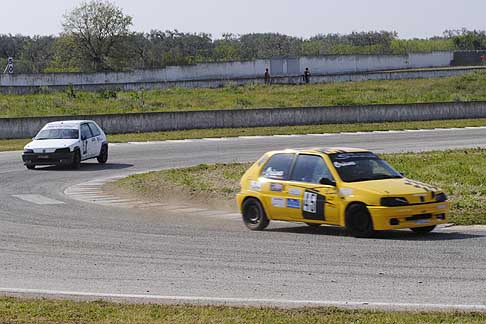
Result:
x=227 y=48
x=267 y=45
x=467 y=40
x=98 y=27
x=37 y=53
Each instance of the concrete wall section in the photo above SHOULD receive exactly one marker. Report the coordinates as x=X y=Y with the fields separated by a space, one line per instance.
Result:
x=363 y=63
x=435 y=59
x=216 y=83
x=322 y=65
x=149 y=122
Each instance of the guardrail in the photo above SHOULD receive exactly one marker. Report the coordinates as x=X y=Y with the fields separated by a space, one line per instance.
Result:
x=11 y=128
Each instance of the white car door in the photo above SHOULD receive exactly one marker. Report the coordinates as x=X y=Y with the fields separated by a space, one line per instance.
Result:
x=86 y=142
x=97 y=140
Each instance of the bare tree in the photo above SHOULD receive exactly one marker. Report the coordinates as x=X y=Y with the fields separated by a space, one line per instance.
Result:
x=97 y=27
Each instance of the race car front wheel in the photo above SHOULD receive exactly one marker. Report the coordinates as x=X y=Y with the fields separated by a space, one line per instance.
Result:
x=254 y=216
x=358 y=221
x=76 y=160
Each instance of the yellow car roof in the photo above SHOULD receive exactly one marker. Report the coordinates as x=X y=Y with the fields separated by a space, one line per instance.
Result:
x=325 y=150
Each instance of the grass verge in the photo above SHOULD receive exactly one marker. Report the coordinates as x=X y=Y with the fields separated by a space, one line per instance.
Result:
x=468 y=87
x=28 y=311
x=9 y=145
x=461 y=173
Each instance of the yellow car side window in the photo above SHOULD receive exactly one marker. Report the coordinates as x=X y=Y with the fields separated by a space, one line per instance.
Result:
x=278 y=167
x=310 y=168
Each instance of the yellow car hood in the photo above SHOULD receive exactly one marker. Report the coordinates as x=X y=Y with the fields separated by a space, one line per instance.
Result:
x=414 y=191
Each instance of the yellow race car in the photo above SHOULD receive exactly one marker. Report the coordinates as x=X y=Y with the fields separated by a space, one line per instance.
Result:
x=346 y=187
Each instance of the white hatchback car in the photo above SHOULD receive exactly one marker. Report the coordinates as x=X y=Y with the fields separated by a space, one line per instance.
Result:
x=66 y=143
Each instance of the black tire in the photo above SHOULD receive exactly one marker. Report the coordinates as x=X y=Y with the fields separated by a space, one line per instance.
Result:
x=358 y=221
x=30 y=166
x=423 y=230
x=313 y=225
x=76 y=160
x=254 y=216
x=103 y=157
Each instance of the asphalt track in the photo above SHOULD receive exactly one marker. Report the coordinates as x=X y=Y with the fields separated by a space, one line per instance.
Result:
x=53 y=246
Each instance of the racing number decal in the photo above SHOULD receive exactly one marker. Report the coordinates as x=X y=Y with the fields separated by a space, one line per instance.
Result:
x=313 y=206
x=310 y=202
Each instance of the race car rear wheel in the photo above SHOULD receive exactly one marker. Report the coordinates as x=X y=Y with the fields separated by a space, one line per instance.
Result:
x=254 y=216
x=423 y=230
x=30 y=166
x=103 y=157
x=358 y=221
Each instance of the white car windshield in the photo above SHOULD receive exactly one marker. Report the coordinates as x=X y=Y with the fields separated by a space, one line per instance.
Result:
x=58 y=133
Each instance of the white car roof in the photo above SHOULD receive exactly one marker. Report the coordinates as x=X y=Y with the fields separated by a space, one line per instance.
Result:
x=67 y=124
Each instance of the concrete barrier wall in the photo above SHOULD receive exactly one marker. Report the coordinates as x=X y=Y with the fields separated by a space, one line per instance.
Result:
x=217 y=83
x=322 y=65
x=435 y=59
x=150 y=122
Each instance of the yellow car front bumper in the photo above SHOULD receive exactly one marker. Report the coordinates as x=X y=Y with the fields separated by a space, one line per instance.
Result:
x=389 y=218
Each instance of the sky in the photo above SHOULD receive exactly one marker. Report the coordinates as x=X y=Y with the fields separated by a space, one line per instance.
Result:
x=303 y=18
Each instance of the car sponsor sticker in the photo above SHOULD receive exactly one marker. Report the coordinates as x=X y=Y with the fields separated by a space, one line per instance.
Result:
x=344 y=164
x=345 y=192
x=295 y=192
x=256 y=186
x=276 y=187
x=272 y=173
x=278 y=202
x=293 y=203
x=358 y=155
x=61 y=126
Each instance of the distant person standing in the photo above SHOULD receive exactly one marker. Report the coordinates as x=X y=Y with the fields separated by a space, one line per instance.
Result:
x=307 y=75
x=483 y=59
x=267 y=77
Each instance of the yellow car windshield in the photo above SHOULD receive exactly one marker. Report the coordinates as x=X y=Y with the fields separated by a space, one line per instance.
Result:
x=362 y=166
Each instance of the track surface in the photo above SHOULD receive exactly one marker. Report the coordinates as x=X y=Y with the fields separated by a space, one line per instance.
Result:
x=87 y=248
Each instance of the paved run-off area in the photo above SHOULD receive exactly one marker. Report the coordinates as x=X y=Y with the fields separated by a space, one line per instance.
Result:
x=82 y=248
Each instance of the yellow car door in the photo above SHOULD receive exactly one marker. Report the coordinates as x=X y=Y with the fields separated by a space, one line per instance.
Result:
x=317 y=201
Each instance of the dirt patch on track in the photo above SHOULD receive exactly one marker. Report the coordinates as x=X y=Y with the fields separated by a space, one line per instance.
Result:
x=213 y=186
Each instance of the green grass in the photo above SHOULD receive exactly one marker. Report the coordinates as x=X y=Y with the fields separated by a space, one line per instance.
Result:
x=9 y=145
x=461 y=173
x=42 y=311
x=459 y=88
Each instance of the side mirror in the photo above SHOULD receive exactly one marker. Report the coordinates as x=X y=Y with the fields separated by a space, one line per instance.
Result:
x=83 y=138
x=327 y=182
